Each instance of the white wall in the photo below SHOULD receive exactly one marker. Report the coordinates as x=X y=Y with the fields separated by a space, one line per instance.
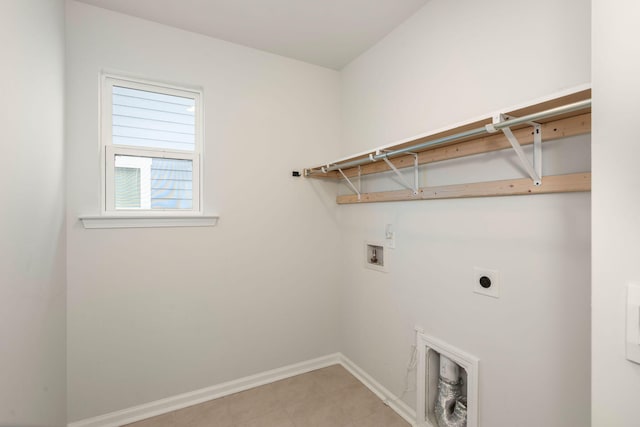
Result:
x=157 y=312
x=616 y=204
x=32 y=227
x=453 y=61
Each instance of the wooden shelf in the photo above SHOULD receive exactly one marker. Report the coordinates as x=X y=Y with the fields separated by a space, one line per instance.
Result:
x=509 y=187
x=554 y=127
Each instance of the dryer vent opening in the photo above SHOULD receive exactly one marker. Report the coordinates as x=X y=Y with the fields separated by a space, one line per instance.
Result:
x=447 y=385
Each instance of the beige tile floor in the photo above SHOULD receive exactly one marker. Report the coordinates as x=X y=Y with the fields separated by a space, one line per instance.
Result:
x=328 y=397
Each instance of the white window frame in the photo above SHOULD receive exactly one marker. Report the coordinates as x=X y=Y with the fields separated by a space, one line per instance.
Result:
x=109 y=150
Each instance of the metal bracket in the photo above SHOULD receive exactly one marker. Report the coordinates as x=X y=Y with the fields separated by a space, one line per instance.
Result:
x=537 y=149
x=535 y=170
x=353 y=187
x=416 y=186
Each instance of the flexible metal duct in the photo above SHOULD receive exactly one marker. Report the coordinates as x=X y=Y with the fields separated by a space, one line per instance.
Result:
x=451 y=408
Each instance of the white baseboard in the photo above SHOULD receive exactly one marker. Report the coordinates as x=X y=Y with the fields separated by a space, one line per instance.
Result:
x=390 y=399
x=159 y=407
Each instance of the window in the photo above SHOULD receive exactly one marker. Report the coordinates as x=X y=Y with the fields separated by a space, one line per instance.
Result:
x=152 y=148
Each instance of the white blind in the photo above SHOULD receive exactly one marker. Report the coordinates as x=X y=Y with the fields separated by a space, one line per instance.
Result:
x=152 y=120
x=127 y=182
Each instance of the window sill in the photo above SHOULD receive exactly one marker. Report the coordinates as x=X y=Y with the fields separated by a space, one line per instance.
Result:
x=119 y=221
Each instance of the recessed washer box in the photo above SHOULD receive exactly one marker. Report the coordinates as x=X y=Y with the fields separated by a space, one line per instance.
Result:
x=375 y=256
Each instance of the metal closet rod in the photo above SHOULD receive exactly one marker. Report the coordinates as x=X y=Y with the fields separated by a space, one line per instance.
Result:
x=451 y=138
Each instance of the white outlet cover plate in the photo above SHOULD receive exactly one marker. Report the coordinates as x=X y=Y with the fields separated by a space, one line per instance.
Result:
x=494 y=275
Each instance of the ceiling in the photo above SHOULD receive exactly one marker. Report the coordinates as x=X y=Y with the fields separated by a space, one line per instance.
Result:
x=330 y=33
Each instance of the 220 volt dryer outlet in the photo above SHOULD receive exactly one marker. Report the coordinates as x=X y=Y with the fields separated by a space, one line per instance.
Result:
x=486 y=282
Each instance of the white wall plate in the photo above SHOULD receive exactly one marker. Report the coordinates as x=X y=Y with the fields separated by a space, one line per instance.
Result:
x=486 y=282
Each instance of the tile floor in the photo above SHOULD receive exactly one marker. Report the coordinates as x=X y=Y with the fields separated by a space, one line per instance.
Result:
x=328 y=397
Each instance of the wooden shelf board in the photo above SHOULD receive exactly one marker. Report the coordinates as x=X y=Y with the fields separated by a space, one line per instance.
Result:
x=552 y=130
x=556 y=102
x=578 y=182
x=551 y=123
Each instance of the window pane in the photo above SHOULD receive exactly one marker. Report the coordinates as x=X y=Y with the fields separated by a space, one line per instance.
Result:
x=162 y=183
x=149 y=119
x=171 y=184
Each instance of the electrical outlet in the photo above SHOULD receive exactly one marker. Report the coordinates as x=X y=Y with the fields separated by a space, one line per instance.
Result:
x=390 y=236
x=486 y=282
x=391 y=239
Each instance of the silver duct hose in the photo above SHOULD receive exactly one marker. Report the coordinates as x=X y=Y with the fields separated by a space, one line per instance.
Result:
x=451 y=407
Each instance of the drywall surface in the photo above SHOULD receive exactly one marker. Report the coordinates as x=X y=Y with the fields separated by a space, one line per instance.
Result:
x=32 y=224
x=616 y=206
x=451 y=62
x=157 y=312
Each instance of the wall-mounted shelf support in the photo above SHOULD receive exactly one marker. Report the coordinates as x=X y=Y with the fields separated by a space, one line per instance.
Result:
x=560 y=117
x=537 y=149
x=353 y=187
x=534 y=170
x=416 y=185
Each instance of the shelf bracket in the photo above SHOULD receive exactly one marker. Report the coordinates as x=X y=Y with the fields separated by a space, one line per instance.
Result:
x=537 y=149
x=534 y=170
x=416 y=185
x=353 y=187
